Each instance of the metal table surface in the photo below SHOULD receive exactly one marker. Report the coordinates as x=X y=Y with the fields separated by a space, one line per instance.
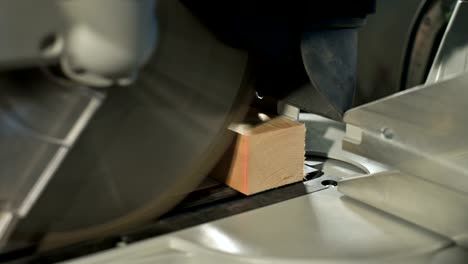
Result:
x=321 y=227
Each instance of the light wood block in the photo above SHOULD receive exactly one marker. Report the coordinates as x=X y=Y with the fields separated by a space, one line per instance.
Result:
x=264 y=155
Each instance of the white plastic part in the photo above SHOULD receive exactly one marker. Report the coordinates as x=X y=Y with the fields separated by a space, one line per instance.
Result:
x=107 y=41
x=97 y=43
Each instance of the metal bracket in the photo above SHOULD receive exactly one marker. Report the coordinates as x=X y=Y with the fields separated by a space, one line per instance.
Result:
x=420 y=132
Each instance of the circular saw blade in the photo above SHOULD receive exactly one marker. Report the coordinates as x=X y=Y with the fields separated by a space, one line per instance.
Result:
x=149 y=144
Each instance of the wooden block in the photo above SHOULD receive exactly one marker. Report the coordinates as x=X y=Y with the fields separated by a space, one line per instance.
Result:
x=265 y=154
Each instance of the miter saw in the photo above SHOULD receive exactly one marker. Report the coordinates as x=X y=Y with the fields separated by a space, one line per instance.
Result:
x=113 y=111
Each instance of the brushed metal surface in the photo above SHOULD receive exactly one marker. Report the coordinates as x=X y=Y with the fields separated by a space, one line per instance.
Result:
x=322 y=227
x=421 y=133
